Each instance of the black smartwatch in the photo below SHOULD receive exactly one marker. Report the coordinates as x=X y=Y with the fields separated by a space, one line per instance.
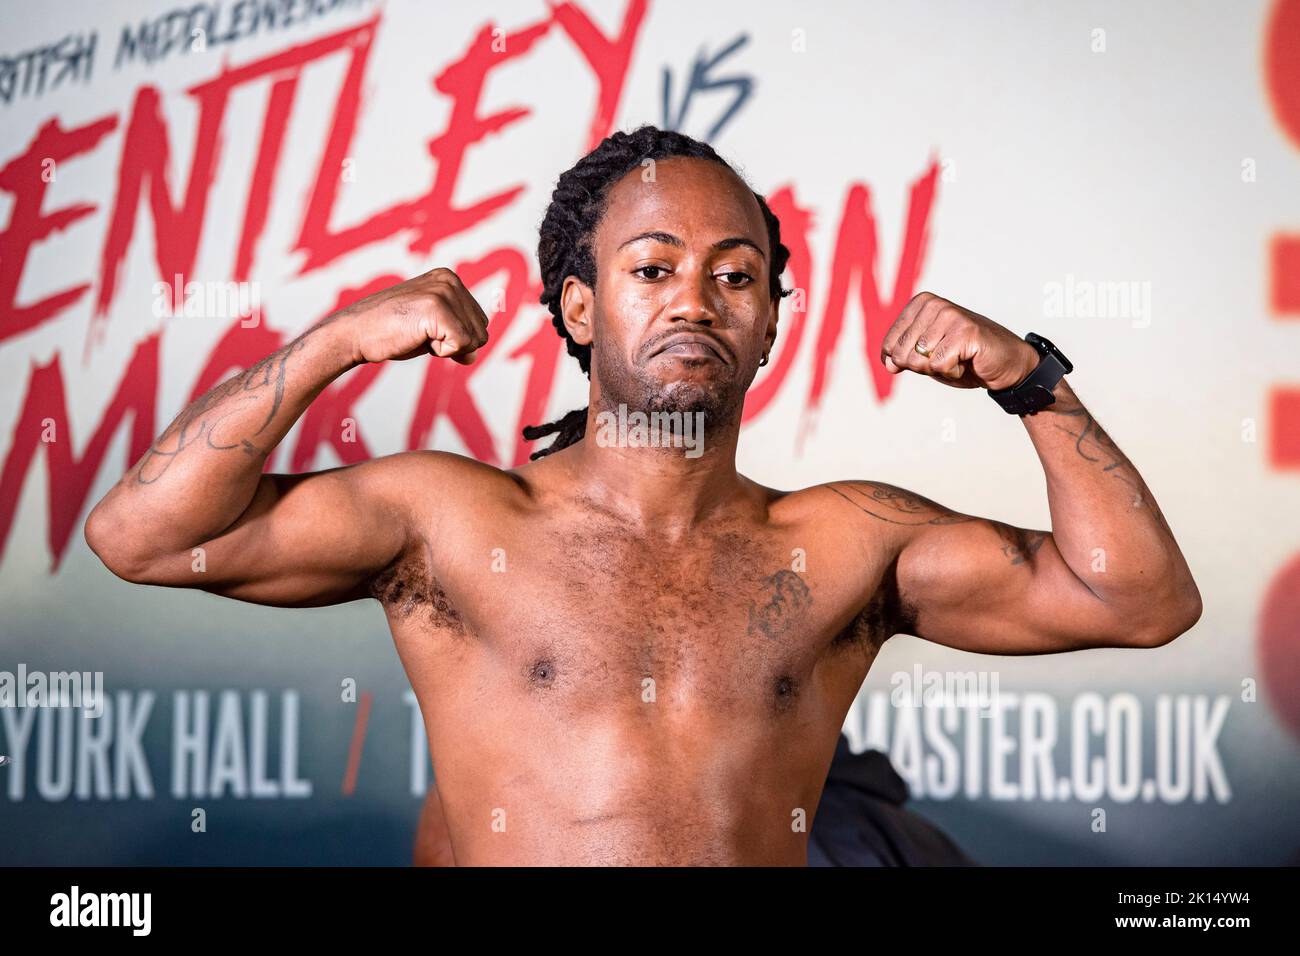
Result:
x=1035 y=392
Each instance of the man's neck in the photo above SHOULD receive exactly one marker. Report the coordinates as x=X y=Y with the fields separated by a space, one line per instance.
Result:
x=659 y=487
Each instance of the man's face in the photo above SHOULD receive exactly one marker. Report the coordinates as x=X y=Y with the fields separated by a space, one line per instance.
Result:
x=681 y=313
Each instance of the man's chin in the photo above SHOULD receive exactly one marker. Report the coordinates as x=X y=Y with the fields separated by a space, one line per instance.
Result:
x=687 y=388
x=681 y=395
x=690 y=398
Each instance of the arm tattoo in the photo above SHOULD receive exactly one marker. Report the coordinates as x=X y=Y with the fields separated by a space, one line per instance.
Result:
x=1091 y=441
x=786 y=598
x=1094 y=445
x=887 y=503
x=897 y=506
x=1021 y=544
x=203 y=416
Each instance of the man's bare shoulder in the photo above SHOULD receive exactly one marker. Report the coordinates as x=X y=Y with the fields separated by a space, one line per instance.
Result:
x=426 y=479
x=868 y=500
x=463 y=482
x=426 y=463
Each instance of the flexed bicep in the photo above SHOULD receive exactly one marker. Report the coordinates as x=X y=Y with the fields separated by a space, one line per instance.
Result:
x=977 y=584
x=309 y=540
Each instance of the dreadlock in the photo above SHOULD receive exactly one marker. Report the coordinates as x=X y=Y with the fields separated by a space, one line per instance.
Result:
x=564 y=246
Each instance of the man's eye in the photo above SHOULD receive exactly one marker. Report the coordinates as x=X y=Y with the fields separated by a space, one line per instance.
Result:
x=651 y=268
x=737 y=279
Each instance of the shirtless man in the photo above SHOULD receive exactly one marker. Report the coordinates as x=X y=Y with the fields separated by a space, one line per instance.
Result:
x=630 y=655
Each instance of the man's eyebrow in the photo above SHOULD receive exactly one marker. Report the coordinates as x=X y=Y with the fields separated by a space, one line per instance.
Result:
x=731 y=242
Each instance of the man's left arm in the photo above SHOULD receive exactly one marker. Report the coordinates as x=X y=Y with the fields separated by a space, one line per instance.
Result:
x=1109 y=573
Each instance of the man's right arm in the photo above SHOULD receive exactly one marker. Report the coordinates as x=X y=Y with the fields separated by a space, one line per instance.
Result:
x=197 y=511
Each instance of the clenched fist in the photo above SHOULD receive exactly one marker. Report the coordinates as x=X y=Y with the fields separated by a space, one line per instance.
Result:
x=432 y=314
x=966 y=349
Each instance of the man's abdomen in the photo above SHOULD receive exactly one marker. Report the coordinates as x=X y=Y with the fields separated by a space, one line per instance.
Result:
x=677 y=788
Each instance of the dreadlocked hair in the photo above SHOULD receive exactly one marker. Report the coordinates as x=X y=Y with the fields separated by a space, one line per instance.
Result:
x=564 y=245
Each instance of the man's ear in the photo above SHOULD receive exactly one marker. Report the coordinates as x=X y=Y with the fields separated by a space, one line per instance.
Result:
x=577 y=306
x=770 y=335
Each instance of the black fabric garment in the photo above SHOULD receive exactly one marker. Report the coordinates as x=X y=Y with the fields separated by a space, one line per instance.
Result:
x=861 y=820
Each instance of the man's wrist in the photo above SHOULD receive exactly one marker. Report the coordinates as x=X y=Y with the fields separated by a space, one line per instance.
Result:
x=337 y=337
x=1029 y=361
x=1066 y=400
x=1036 y=390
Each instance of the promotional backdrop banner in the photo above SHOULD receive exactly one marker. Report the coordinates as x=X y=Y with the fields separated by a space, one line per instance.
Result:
x=186 y=187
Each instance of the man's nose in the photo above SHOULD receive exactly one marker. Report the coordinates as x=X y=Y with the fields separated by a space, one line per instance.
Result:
x=693 y=301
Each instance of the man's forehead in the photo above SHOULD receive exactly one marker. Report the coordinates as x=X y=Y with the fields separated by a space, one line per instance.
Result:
x=699 y=198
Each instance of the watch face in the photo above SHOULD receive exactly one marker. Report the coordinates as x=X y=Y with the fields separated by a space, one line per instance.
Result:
x=1045 y=347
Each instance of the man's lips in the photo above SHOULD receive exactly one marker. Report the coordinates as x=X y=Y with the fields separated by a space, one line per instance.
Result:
x=691 y=346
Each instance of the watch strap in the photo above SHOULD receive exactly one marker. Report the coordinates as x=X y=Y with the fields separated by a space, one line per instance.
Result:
x=1035 y=391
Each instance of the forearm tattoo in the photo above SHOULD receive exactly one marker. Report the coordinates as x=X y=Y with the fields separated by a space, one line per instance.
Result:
x=1093 y=444
x=263 y=382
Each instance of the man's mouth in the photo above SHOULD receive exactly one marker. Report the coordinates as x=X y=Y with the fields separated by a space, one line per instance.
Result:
x=691 y=346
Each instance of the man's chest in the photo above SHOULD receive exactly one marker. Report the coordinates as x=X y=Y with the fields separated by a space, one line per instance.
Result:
x=584 y=614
